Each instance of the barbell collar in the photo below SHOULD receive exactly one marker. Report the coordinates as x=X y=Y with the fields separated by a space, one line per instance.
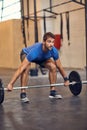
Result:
x=84 y=82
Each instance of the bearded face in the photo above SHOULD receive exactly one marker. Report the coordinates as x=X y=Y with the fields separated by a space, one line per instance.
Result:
x=49 y=43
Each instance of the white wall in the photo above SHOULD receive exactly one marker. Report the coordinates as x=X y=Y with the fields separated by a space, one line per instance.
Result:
x=73 y=55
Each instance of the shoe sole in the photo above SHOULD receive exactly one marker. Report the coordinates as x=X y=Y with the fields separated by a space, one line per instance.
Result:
x=25 y=100
x=55 y=97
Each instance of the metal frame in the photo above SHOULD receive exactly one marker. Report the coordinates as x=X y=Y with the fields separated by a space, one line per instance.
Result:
x=78 y=2
x=49 y=9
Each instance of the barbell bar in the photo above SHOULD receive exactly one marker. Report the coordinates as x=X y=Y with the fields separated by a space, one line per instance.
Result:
x=40 y=86
x=75 y=85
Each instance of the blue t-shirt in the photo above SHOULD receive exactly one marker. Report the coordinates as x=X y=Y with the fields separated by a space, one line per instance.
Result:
x=36 y=54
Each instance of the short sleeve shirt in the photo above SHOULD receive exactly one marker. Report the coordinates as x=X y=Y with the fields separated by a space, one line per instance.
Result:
x=36 y=54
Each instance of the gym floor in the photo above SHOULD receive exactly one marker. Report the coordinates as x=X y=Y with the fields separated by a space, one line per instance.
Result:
x=69 y=113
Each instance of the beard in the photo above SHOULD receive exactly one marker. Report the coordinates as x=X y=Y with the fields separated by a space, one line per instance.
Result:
x=50 y=48
x=47 y=48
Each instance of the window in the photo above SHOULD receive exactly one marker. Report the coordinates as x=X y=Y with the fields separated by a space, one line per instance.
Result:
x=10 y=9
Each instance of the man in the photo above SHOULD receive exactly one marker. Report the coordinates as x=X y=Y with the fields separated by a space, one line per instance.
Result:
x=44 y=54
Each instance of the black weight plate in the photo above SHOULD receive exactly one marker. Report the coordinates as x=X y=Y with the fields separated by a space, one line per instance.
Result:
x=1 y=92
x=77 y=87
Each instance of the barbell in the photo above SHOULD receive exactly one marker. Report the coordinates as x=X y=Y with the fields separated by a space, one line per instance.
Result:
x=75 y=85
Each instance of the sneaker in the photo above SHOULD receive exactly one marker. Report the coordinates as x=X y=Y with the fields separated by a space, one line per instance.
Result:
x=54 y=95
x=24 y=98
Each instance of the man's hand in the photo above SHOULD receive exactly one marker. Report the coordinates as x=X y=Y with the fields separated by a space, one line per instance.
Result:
x=66 y=83
x=9 y=87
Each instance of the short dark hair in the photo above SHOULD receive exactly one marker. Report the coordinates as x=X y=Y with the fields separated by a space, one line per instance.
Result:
x=47 y=35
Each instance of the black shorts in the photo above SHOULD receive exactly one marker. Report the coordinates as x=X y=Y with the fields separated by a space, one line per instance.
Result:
x=22 y=55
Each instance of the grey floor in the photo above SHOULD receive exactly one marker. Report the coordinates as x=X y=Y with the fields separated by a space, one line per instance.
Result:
x=70 y=113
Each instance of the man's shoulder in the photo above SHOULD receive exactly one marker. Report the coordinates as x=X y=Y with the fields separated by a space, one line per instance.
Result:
x=38 y=43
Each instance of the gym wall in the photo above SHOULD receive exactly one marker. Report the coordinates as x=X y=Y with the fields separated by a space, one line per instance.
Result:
x=10 y=43
x=72 y=55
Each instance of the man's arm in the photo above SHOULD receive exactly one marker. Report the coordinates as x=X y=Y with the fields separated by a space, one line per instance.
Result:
x=18 y=72
x=62 y=71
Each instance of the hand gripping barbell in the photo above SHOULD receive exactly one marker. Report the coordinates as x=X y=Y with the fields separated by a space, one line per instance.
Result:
x=75 y=85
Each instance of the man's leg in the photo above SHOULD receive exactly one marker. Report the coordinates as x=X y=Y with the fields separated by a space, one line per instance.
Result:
x=24 y=80
x=50 y=64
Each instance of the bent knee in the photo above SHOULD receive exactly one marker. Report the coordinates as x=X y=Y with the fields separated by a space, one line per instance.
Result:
x=26 y=70
x=52 y=67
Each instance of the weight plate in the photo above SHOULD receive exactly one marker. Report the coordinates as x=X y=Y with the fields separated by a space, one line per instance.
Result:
x=75 y=88
x=1 y=92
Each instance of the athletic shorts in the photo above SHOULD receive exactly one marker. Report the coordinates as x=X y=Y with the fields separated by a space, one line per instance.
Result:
x=22 y=55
